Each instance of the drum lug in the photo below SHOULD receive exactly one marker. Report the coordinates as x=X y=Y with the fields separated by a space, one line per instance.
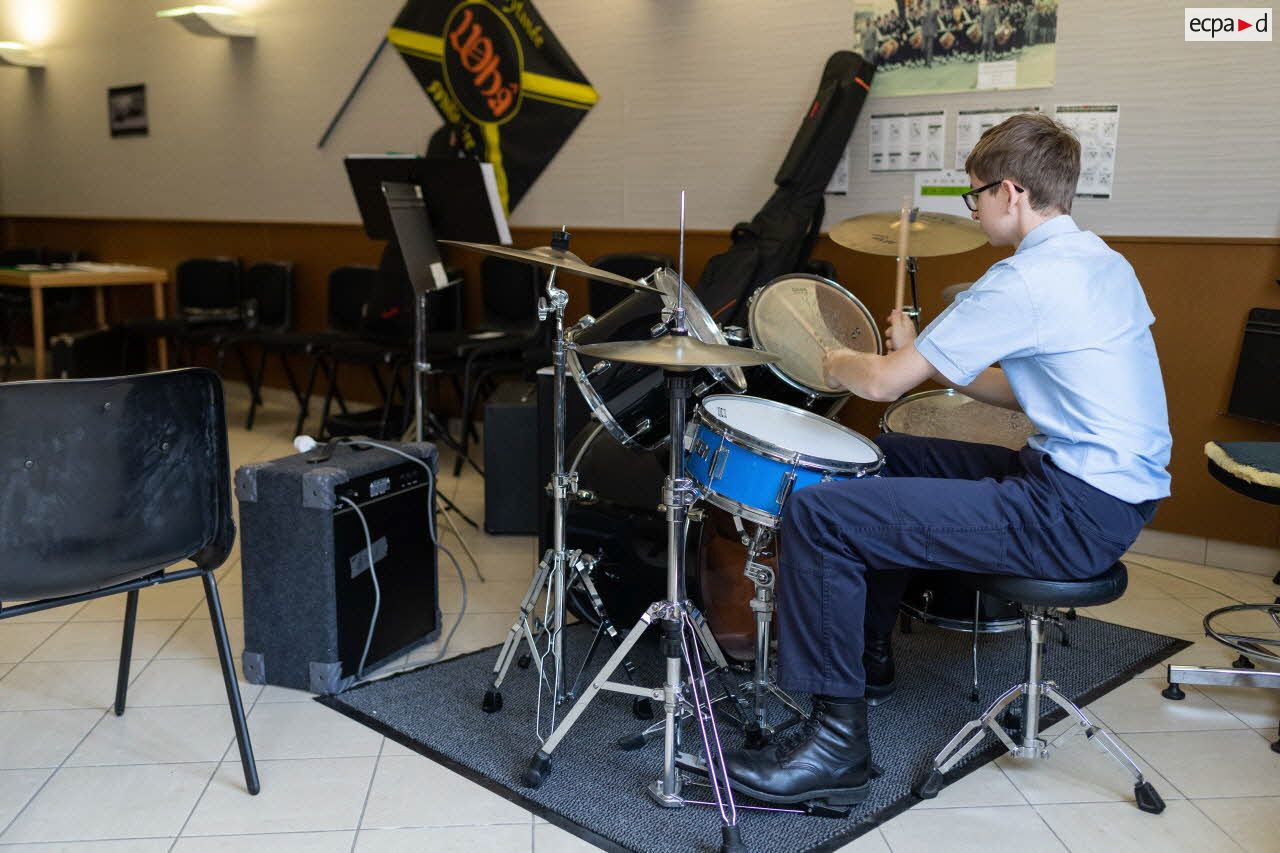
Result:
x=697 y=447
x=826 y=477
x=784 y=488
x=701 y=388
x=586 y=321
x=718 y=462
x=599 y=367
x=641 y=429
x=658 y=330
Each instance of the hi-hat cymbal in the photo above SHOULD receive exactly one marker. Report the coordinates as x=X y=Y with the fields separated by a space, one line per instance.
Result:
x=545 y=256
x=931 y=234
x=677 y=352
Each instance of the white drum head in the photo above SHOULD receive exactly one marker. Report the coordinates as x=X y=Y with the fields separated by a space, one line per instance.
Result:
x=791 y=429
x=799 y=317
x=949 y=414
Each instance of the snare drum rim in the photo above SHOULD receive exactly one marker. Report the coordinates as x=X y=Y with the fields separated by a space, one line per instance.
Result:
x=782 y=454
x=775 y=367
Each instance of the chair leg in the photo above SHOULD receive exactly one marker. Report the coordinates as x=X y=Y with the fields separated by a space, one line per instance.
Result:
x=126 y=649
x=255 y=382
x=233 y=686
x=304 y=404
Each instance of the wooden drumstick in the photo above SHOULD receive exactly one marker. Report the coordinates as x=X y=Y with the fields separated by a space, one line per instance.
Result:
x=904 y=239
x=804 y=324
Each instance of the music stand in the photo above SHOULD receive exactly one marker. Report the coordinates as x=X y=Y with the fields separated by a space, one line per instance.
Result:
x=461 y=195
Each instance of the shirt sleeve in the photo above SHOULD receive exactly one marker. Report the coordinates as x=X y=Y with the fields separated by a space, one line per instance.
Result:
x=992 y=320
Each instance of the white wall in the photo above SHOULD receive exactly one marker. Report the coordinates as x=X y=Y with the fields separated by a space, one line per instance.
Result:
x=699 y=94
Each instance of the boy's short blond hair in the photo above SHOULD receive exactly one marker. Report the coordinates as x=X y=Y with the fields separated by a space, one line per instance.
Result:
x=1035 y=152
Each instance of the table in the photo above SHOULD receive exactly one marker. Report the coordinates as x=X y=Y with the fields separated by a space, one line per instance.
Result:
x=102 y=276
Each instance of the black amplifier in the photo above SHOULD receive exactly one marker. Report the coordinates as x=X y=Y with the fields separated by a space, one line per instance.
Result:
x=309 y=594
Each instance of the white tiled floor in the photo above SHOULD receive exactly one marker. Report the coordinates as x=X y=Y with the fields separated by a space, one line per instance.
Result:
x=166 y=776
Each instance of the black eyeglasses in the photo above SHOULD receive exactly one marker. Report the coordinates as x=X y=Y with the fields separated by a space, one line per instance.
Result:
x=971 y=197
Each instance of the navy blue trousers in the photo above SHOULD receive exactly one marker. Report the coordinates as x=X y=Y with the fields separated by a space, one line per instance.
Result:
x=848 y=548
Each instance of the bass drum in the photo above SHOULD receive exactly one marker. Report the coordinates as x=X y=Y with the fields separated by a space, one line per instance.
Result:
x=619 y=524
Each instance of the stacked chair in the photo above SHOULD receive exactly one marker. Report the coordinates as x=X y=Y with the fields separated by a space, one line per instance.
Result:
x=349 y=289
x=209 y=293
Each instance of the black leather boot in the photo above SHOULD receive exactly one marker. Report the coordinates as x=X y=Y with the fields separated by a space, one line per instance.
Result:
x=877 y=662
x=830 y=761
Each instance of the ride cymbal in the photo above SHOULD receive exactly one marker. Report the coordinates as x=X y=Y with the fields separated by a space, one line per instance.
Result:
x=545 y=256
x=677 y=352
x=931 y=234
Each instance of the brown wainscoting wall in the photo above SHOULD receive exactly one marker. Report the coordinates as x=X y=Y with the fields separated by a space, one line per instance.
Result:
x=1199 y=288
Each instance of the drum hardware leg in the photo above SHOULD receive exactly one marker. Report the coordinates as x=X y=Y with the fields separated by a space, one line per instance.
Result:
x=977 y=613
x=582 y=568
x=520 y=629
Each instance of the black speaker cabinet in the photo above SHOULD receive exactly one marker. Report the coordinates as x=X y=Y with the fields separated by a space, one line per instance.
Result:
x=309 y=596
x=511 y=459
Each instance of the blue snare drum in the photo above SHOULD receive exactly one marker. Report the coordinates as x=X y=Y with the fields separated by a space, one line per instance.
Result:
x=747 y=454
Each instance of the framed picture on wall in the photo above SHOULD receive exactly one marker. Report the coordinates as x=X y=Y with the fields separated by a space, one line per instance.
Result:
x=127 y=110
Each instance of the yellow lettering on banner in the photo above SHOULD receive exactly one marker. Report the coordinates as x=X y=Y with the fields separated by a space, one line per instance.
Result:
x=445 y=102
x=516 y=8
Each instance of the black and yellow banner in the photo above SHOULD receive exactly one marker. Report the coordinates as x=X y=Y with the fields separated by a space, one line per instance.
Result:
x=497 y=74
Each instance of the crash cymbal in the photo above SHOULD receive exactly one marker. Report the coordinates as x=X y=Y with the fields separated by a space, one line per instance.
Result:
x=545 y=256
x=677 y=352
x=931 y=234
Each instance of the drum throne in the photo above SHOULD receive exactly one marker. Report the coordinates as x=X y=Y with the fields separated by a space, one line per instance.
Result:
x=1038 y=599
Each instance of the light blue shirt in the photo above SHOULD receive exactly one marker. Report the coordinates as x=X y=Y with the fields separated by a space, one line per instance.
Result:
x=1068 y=322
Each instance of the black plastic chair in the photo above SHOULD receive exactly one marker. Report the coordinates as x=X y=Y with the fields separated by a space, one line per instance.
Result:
x=601 y=297
x=208 y=295
x=510 y=329
x=267 y=305
x=107 y=483
x=348 y=291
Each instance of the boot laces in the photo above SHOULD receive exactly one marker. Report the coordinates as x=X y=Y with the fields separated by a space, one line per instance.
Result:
x=791 y=742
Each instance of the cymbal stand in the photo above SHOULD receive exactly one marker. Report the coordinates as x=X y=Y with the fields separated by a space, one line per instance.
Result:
x=913 y=310
x=550 y=577
x=680 y=641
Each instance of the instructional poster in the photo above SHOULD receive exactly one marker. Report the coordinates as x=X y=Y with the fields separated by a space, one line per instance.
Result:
x=908 y=142
x=1098 y=129
x=971 y=124
x=928 y=47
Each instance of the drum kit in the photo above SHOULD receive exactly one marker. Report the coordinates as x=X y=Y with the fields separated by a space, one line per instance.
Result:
x=643 y=367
